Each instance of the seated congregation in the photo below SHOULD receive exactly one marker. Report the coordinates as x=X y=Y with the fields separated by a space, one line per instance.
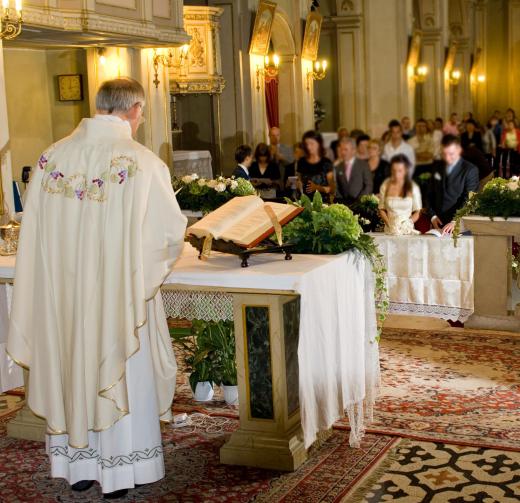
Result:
x=422 y=176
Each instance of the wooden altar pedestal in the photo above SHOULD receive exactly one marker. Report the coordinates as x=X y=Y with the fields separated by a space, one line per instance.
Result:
x=493 y=279
x=270 y=434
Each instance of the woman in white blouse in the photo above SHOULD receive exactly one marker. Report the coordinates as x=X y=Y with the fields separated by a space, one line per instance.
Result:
x=400 y=199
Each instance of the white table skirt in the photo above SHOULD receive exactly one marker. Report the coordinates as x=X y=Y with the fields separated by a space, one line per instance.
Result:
x=429 y=276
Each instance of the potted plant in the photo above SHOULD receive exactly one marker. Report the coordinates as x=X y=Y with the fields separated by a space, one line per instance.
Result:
x=198 y=361
x=223 y=338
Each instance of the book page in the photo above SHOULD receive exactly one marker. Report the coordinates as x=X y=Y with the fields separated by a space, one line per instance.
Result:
x=225 y=217
x=256 y=223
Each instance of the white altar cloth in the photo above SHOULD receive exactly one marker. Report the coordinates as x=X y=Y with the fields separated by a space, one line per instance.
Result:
x=337 y=353
x=338 y=356
x=429 y=276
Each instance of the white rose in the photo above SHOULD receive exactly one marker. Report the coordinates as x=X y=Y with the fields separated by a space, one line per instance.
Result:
x=515 y=178
x=220 y=187
x=233 y=184
x=512 y=185
x=212 y=184
x=194 y=176
x=186 y=179
x=201 y=182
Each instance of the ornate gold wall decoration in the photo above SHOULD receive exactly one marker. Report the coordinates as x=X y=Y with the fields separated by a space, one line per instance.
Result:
x=200 y=72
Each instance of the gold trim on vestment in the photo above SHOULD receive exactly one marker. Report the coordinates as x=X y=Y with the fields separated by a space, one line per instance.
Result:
x=55 y=431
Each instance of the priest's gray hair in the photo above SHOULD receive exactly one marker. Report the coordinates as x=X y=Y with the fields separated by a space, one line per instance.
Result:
x=119 y=95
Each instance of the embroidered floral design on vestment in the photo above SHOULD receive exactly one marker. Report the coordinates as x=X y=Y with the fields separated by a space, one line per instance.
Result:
x=77 y=186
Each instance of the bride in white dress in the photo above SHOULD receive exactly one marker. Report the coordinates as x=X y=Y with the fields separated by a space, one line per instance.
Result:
x=400 y=199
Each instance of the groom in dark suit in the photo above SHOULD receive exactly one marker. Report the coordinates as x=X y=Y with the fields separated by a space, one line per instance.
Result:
x=450 y=186
x=353 y=176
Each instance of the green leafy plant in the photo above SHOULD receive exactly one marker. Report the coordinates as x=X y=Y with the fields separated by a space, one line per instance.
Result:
x=329 y=230
x=199 y=194
x=367 y=208
x=209 y=352
x=499 y=198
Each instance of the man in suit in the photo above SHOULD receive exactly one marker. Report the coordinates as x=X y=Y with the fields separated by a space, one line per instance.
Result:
x=353 y=176
x=342 y=133
x=244 y=159
x=450 y=185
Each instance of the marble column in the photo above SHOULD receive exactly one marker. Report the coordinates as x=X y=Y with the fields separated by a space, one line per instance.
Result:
x=372 y=46
x=270 y=433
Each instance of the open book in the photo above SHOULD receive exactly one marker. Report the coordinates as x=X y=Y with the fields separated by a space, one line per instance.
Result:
x=244 y=221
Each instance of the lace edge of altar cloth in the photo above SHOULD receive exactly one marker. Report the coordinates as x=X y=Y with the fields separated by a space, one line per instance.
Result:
x=448 y=313
x=193 y=305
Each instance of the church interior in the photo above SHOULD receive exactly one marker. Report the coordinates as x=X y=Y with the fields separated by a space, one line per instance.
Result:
x=329 y=266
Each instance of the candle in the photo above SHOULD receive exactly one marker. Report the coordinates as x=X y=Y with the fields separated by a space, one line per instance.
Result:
x=18 y=6
x=5 y=5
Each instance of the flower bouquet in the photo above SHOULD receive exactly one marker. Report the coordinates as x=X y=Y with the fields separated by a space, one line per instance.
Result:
x=199 y=194
x=368 y=210
x=499 y=198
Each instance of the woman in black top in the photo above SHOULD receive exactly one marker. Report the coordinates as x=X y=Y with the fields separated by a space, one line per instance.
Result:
x=265 y=172
x=314 y=170
x=379 y=168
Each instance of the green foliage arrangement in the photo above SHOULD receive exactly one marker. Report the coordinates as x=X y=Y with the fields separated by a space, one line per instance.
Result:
x=199 y=194
x=208 y=350
x=499 y=198
x=368 y=210
x=329 y=230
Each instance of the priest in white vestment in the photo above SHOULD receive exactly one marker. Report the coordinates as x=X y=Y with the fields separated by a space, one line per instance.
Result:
x=100 y=232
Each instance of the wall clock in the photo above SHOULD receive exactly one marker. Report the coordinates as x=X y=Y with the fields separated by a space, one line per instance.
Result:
x=70 y=87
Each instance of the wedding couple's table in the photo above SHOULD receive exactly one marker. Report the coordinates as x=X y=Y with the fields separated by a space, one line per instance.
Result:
x=186 y=162
x=429 y=276
x=306 y=353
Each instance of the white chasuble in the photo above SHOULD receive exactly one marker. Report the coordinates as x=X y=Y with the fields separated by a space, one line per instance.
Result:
x=100 y=232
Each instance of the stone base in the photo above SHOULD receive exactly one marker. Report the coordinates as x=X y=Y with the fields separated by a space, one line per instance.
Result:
x=503 y=323
x=27 y=426
x=263 y=450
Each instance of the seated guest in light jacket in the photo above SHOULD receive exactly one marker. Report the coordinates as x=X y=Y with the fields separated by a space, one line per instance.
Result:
x=353 y=176
x=244 y=159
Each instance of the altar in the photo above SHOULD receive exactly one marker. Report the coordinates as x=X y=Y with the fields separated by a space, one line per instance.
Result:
x=306 y=346
x=429 y=276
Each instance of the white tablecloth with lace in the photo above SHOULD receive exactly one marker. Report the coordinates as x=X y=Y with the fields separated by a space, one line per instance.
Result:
x=429 y=276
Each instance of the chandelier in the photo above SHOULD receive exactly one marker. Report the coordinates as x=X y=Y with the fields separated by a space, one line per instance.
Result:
x=10 y=19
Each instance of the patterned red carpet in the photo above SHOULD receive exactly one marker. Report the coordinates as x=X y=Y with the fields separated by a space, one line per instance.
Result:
x=194 y=473
x=443 y=387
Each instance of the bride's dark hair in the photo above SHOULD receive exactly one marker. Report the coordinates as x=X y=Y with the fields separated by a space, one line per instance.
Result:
x=402 y=159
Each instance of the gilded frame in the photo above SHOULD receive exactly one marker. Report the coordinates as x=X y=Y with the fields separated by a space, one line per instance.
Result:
x=261 y=37
x=311 y=37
